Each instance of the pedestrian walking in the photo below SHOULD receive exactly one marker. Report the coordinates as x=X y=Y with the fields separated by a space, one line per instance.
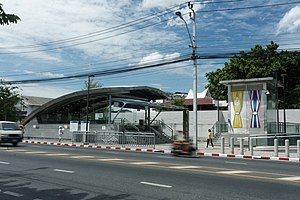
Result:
x=60 y=133
x=209 y=139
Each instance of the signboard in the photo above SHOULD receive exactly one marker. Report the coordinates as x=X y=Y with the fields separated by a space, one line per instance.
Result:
x=73 y=126
x=83 y=126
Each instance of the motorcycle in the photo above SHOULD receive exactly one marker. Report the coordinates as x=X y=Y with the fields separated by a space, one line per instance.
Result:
x=183 y=147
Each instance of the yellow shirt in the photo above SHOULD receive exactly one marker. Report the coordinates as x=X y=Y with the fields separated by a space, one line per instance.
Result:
x=209 y=136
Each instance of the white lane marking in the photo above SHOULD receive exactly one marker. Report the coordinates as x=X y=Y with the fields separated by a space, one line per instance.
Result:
x=4 y=163
x=234 y=172
x=185 y=167
x=237 y=163
x=57 y=154
x=166 y=157
x=156 y=184
x=82 y=157
x=36 y=152
x=144 y=163
x=13 y=194
x=64 y=171
x=293 y=178
x=109 y=159
x=18 y=150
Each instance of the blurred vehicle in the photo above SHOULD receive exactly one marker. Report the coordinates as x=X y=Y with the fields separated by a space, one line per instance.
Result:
x=10 y=132
x=183 y=147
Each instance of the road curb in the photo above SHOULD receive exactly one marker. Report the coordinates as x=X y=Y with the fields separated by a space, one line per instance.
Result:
x=150 y=150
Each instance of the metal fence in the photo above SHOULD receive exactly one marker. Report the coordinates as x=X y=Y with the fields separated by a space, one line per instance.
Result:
x=115 y=138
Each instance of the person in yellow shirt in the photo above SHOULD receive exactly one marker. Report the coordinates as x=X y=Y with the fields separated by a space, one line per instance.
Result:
x=209 y=139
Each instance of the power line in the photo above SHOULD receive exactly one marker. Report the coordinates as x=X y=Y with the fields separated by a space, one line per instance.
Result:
x=99 y=73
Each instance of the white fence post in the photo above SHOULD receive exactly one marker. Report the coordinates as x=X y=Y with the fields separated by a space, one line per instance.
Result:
x=232 y=145
x=242 y=146
x=276 y=147
x=251 y=146
x=223 y=145
x=287 y=148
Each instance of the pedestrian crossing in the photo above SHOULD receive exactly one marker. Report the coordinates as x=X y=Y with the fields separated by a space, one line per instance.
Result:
x=166 y=165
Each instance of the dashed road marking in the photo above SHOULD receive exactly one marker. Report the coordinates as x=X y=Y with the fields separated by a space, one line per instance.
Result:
x=64 y=171
x=17 y=150
x=185 y=167
x=4 y=163
x=235 y=172
x=35 y=152
x=82 y=157
x=156 y=184
x=237 y=163
x=293 y=178
x=56 y=154
x=109 y=159
x=144 y=163
x=13 y=194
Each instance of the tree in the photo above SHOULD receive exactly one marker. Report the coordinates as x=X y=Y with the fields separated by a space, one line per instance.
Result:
x=5 y=19
x=93 y=84
x=260 y=62
x=178 y=102
x=9 y=97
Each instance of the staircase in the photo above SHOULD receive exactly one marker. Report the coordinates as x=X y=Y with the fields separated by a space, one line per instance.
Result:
x=163 y=132
x=220 y=129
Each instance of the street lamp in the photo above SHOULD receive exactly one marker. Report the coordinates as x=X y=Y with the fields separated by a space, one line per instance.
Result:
x=194 y=58
x=87 y=107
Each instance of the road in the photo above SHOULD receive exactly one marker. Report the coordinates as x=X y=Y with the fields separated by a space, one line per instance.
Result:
x=41 y=172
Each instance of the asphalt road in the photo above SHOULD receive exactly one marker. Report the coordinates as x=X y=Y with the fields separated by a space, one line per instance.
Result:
x=41 y=172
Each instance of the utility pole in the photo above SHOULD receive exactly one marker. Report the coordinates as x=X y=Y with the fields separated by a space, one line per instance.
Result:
x=194 y=58
x=87 y=108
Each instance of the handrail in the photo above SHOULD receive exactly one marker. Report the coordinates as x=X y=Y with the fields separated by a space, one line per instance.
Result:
x=123 y=120
x=163 y=124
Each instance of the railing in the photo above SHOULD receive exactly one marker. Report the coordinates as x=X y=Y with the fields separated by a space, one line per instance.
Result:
x=273 y=127
x=219 y=127
x=268 y=140
x=275 y=146
x=125 y=122
x=165 y=129
x=115 y=138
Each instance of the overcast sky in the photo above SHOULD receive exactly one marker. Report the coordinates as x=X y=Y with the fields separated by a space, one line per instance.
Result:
x=58 y=38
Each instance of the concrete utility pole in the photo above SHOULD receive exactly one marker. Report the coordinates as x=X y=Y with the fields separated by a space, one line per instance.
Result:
x=194 y=58
x=87 y=108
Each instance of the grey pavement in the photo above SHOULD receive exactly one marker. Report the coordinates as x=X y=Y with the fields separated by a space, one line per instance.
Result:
x=263 y=151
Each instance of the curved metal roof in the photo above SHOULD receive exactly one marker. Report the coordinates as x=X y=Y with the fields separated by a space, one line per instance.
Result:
x=143 y=93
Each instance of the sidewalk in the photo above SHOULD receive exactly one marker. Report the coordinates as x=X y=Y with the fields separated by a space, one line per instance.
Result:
x=265 y=153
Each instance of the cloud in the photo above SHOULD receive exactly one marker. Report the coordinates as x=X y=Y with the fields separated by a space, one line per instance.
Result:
x=290 y=23
x=158 y=57
x=41 y=74
x=43 y=90
x=150 y=4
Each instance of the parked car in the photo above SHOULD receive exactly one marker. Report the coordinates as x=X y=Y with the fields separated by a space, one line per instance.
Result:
x=10 y=132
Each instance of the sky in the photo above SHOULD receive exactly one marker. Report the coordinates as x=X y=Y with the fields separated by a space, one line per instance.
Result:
x=58 y=44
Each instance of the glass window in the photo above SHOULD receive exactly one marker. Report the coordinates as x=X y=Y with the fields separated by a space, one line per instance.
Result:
x=10 y=126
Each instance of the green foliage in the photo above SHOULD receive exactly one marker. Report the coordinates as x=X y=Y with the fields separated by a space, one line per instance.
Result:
x=93 y=84
x=5 y=19
x=178 y=102
x=260 y=62
x=9 y=97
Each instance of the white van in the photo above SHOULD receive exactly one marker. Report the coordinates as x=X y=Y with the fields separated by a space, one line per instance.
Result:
x=10 y=132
